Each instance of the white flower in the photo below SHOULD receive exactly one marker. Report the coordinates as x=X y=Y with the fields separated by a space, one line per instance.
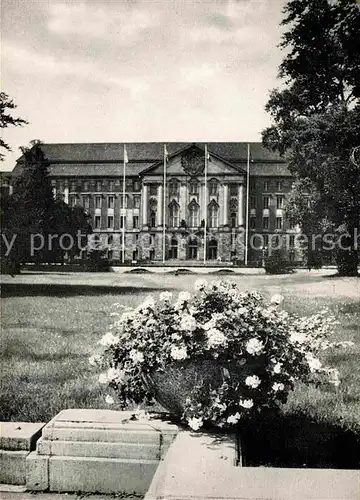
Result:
x=103 y=379
x=195 y=423
x=277 y=368
x=165 y=296
x=184 y=296
x=243 y=310
x=278 y=386
x=313 y=362
x=108 y=339
x=246 y=403
x=188 y=323
x=115 y=375
x=178 y=352
x=276 y=299
x=200 y=284
x=252 y=381
x=136 y=356
x=233 y=419
x=254 y=346
x=109 y=400
x=94 y=359
x=215 y=337
x=149 y=303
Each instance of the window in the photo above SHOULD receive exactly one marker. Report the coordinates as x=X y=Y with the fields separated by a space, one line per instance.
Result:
x=252 y=222
x=292 y=241
x=86 y=202
x=192 y=248
x=110 y=202
x=111 y=185
x=152 y=218
x=265 y=222
x=252 y=201
x=97 y=221
x=110 y=239
x=153 y=189
x=136 y=222
x=136 y=201
x=174 y=215
x=110 y=254
x=279 y=202
x=174 y=187
x=266 y=240
x=280 y=185
x=213 y=187
x=234 y=190
x=279 y=222
x=266 y=201
x=110 y=222
x=233 y=219
x=136 y=186
x=266 y=185
x=291 y=224
x=122 y=221
x=73 y=187
x=97 y=201
x=194 y=187
x=173 y=248
x=194 y=215
x=86 y=186
x=213 y=215
x=122 y=200
x=98 y=186
x=72 y=201
x=212 y=249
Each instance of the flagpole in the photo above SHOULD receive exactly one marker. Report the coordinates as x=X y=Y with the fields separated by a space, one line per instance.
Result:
x=247 y=205
x=164 y=206
x=123 y=208
x=205 y=201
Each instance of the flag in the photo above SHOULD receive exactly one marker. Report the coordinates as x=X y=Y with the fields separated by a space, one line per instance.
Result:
x=126 y=159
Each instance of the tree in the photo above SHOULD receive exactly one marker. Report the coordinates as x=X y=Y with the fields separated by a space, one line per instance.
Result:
x=36 y=218
x=6 y=119
x=316 y=113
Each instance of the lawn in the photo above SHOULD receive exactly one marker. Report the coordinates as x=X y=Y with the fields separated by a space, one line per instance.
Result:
x=49 y=330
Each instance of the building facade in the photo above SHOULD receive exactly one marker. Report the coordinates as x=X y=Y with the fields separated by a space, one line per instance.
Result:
x=207 y=209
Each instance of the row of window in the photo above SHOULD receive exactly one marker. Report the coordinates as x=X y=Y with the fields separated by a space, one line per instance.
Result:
x=131 y=185
x=110 y=222
x=279 y=185
x=280 y=199
x=109 y=202
x=279 y=223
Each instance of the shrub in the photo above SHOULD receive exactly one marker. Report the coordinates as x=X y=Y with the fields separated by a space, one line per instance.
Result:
x=278 y=263
x=215 y=356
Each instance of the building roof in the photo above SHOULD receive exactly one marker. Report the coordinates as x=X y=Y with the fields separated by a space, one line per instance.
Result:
x=104 y=159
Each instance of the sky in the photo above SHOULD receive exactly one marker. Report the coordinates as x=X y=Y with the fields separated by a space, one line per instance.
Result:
x=147 y=70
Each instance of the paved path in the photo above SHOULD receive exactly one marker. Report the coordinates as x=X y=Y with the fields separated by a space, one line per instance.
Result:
x=18 y=493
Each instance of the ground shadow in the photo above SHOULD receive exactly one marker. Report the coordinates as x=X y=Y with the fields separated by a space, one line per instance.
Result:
x=61 y=290
x=297 y=440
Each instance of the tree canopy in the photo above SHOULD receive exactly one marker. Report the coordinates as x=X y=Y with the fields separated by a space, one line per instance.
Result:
x=7 y=105
x=316 y=112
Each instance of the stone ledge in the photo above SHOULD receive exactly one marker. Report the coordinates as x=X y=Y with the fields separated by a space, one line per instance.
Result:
x=19 y=435
x=207 y=472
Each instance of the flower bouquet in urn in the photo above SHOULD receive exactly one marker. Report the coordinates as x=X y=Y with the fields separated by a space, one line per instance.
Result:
x=213 y=356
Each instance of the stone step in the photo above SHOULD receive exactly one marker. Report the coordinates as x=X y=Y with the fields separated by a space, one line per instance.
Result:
x=89 y=474
x=140 y=450
x=17 y=439
x=111 y=433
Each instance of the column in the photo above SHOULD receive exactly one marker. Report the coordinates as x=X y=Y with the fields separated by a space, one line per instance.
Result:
x=226 y=205
x=144 y=205
x=183 y=202
x=160 y=202
x=241 y=205
x=66 y=195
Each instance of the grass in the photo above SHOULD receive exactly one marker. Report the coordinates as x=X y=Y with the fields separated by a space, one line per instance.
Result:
x=51 y=324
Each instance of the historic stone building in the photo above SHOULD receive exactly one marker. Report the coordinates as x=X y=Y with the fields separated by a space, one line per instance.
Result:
x=92 y=175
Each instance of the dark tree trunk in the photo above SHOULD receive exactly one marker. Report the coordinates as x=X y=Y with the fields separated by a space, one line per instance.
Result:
x=347 y=254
